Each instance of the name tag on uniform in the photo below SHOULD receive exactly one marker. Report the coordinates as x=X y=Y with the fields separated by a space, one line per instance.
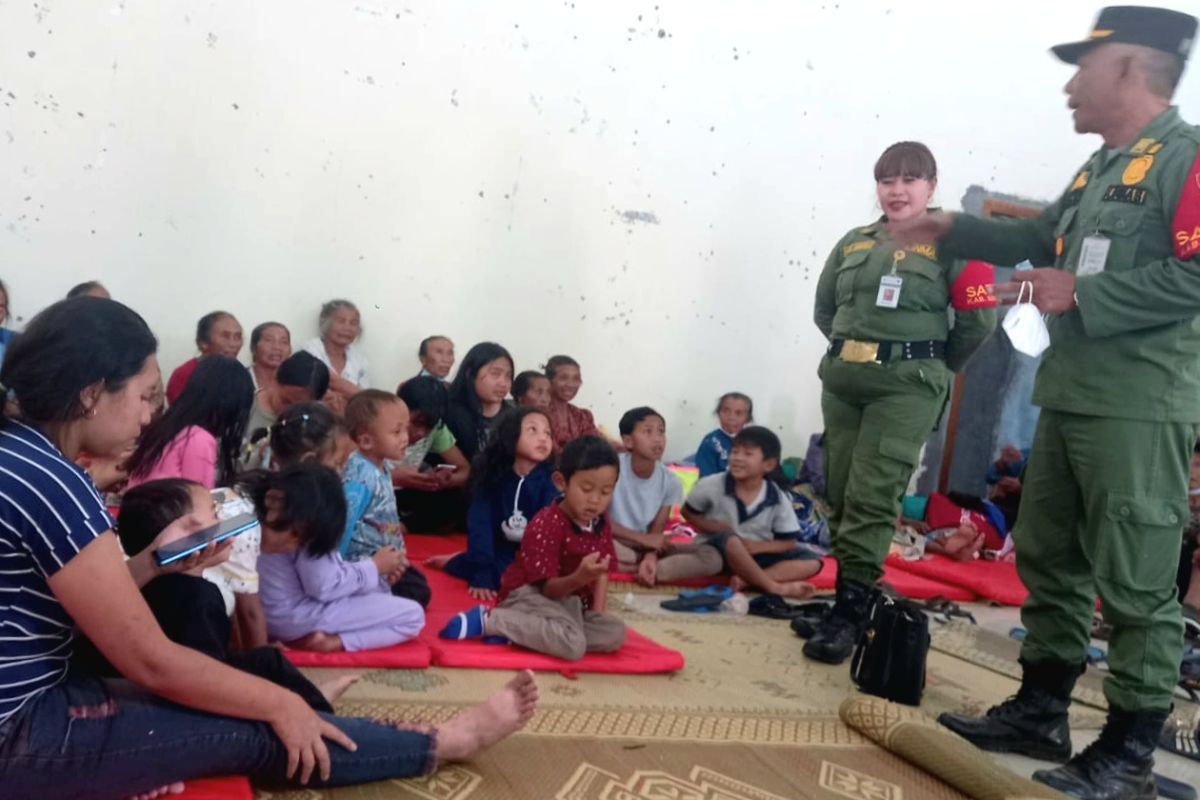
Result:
x=1093 y=255
x=889 y=291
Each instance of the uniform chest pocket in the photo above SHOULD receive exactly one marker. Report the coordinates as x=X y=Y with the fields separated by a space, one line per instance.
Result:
x=924 y=284
x=848 y=273
x=1120 y=219
x=919 y=266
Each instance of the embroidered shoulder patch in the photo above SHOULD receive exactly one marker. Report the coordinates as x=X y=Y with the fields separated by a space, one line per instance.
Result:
x=854 y=248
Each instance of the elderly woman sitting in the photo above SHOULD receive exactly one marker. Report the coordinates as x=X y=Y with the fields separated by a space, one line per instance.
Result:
x=217 y=333
x=270 y=344
x=340 y=326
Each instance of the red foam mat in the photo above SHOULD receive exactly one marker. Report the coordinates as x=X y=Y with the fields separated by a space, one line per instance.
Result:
x=993 y=580
x=408 y=655
x=908 y=584
x=638 y=655
x=233 y=787
x=421 y=546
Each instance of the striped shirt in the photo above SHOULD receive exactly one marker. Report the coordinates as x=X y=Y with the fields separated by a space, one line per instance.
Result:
x=49 y=511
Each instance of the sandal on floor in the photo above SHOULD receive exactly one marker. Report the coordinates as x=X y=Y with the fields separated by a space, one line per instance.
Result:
x=772 y=606
x=1173 y=789
x=811 y=614
x=699 y=600
x=1181 y=739
x=946 y=610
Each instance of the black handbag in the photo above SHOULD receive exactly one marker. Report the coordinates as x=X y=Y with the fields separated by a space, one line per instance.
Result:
x=889 y=660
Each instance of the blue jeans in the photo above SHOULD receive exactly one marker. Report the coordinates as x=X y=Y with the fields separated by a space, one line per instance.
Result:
x=94 y=737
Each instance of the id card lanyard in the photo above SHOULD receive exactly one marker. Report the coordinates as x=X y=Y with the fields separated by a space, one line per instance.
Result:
x=1093 y=255
x=890 y=284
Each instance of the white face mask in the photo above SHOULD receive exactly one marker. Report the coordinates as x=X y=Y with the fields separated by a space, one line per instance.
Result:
x=1025 y=326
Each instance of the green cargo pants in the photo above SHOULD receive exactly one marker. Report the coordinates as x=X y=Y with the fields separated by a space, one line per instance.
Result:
x=1103 y=507
x=877 y=417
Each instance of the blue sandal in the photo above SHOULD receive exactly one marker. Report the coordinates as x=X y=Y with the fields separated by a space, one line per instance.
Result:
x=699 y=600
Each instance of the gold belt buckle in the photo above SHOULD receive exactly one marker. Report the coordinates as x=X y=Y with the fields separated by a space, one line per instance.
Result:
x=857 y=352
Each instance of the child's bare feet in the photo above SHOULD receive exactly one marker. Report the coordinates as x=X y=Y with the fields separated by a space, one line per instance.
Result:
x=797 y=590
x=481 y=726
x=647 y=571
x=962 y=545
x=437 y=562
x=320 y=641
x=738 y=584
x=337 y=687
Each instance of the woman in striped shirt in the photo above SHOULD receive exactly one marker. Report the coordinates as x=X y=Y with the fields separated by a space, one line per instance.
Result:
x=84 y=375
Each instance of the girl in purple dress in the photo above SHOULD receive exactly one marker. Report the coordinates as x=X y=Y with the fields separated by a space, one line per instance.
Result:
x=312 y=598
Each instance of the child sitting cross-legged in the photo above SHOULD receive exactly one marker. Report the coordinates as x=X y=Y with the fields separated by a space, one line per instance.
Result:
x=378 y=424
x=553 y=596
x=312 y=598
x=513 y=483
x=190 y=609
x=748 y=519
x=642 y=502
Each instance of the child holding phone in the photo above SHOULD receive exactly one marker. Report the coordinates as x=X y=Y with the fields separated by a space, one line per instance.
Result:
x=313 y=599
x=553 y=596
x=191 y=610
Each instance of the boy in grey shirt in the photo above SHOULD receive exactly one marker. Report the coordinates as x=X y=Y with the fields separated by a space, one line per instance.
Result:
x=747 y=519
x=644 y=495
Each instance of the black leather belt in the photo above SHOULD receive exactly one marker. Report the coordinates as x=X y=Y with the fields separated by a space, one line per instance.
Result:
x=860 y=352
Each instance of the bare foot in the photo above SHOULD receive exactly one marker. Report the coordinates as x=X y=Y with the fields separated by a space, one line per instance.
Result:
x=437 y=562
x=320 y=641
x=337 y=687
x=738 y=584
x=797 y=590
x=481 y=726
x=647 y=571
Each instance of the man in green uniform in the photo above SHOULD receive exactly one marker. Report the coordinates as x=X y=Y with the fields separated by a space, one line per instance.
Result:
x=1105 y=494
x=884 y=382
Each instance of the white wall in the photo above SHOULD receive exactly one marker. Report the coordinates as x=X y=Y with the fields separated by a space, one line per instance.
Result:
x=462 y=168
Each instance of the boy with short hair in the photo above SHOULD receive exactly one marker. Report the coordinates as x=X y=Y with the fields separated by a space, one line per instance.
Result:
x=378 y=424
x=745 y=517
x=644 y=495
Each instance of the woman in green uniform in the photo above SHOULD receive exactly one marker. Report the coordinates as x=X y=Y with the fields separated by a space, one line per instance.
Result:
x=899 y=321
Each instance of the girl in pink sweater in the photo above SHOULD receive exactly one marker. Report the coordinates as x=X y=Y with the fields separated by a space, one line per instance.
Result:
x=200 y=437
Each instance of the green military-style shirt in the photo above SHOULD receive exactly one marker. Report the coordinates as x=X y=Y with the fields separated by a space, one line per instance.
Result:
x=848 y=289
x=1131 y=349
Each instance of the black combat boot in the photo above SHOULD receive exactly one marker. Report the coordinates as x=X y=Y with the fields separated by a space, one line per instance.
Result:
x=1117 y=766
x=838 y=631
x=1033 y=722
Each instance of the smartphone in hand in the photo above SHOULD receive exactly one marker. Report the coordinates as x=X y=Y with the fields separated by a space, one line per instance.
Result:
x=198 y=540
